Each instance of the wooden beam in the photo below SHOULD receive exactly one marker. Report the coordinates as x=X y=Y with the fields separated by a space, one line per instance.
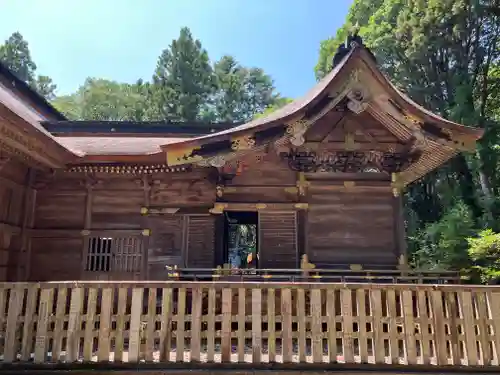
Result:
x=399 y=230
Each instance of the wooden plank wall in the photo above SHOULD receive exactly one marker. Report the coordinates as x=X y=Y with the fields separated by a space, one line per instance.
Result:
x=278 y=240
x=348 y=227
x=13 y=199
x=71 y=202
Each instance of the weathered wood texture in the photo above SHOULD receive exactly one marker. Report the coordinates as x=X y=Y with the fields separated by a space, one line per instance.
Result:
x=200 y=241
x=346 y=227
x=415 y=325
x=15 y=200
x=278 y=240
x=109 y=205
x=165 y=245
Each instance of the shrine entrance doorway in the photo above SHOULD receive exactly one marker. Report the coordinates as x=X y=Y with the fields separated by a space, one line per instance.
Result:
x=241 y=239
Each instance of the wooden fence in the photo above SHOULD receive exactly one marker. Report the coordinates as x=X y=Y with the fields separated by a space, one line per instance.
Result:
x=249 y=322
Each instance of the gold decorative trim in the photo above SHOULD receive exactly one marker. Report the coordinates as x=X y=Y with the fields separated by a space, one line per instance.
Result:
x=291 y=190
x=260 y=206
x=182 y=156
x=218 y=208
x=159 y=211
x=349 y=142
x=146 y=232
x=301 y=206
x=397 y=184
x=349 y=184
x=302 y=184
x=241 y=143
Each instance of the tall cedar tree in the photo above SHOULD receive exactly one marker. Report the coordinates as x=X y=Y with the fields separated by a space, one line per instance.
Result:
x=16 y=55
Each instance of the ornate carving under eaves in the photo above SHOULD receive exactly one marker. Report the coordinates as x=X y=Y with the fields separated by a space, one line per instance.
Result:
x=397 y=184
x=217 y=161
x=349 y=161
x=358 y=100
x=297 y=130
x=245 y=142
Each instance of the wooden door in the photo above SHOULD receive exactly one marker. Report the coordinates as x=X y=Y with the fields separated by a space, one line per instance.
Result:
x=278 y=240
x=200 y=241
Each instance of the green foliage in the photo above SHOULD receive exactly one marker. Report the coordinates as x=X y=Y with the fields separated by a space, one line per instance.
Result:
x=484 y=251
x=183 y=80
x=241 y=92
x=442 y=245
x=16 y=55
x=100 y=99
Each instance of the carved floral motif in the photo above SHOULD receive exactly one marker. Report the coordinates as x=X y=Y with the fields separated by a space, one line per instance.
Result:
x=349 y=161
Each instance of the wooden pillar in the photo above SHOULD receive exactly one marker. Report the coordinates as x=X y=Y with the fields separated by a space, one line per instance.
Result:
x=87 y=220
x=400 y=230
x=302 y=222
x=29 y=205
x=219 y=258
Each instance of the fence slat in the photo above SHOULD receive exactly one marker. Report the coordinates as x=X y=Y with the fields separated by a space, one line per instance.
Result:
x=227 y=302
x=346 y=300
x=180 y=334
x=286 y=325
x=150 y=325
x=393 y=329
x=256 y=325
x=424 y=326
x=42 y=326
x=439 y=328
x=135 y=325
x=316 y=329
x=376 y=309
x=88 y=343
x=301 y=324
x=166 y=325
x=62 y=294
x=241 y=323
x=484 y=334
x=196 y=324
x=105 y=325
x=211 y=325
x=27 y=339
x=120 y=323
x=409 y=327
x=494 y=299
x=15 y=306
x=271 y=324
x=332 y=325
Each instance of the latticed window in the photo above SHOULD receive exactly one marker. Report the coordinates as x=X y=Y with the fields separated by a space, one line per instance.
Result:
x=114 y=254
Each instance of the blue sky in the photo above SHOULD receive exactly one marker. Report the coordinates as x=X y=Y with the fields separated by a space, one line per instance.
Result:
x=122 y=39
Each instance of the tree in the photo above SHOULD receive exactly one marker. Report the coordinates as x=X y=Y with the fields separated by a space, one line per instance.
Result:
x=104 y=100
x=241 y=92
x=16 y=55
x=183 y=81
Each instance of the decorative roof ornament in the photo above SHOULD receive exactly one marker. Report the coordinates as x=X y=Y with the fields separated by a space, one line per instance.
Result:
x=353 y=40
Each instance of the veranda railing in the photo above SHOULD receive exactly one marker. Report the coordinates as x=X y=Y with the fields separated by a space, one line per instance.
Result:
x=249 y=322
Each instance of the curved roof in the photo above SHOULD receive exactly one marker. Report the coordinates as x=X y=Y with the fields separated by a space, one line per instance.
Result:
x=293 y=109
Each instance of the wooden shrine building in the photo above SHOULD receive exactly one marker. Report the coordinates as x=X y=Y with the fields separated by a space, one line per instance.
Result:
x=320 y=177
